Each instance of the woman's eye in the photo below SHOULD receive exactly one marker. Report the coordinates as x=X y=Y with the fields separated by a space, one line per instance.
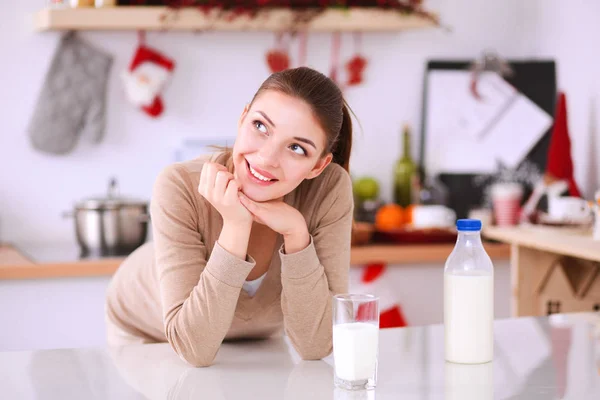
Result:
x=260 y=126
x=298 y=149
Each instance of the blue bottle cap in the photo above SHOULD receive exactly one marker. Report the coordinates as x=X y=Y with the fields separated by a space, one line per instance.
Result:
x=471 y=225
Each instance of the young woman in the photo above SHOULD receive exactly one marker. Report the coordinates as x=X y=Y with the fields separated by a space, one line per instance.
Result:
x=248 y=241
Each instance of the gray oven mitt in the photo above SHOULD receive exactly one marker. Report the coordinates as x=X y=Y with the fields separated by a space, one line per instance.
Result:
x=72 y=98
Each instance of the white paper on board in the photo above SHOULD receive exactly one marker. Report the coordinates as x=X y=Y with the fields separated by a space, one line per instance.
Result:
x=467 y=135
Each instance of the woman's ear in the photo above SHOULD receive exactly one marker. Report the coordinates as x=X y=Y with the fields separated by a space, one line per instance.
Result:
x=320 y=166
x=244 y=112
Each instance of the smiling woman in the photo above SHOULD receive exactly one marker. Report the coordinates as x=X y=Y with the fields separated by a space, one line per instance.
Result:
x=250 y=242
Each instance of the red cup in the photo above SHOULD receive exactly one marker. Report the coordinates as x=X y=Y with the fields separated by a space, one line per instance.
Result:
x=506 y=199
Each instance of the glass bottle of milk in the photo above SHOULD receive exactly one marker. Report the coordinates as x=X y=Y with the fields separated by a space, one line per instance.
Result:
x=469 y=298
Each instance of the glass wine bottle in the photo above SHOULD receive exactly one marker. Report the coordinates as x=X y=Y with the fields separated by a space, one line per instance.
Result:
x=405 y=172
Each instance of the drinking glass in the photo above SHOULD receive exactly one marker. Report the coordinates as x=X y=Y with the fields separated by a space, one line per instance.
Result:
x=355 y=340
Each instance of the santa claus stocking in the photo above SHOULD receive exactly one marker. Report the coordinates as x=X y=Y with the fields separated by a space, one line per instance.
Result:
x=146 y=78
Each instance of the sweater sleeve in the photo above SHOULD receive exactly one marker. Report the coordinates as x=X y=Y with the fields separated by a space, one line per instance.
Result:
x=198 y=294
x=312 y=276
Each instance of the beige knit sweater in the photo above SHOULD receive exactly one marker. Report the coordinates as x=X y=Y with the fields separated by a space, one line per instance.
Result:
x=184 y=288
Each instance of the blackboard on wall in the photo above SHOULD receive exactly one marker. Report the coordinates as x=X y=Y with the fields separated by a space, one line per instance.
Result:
x=535 y=79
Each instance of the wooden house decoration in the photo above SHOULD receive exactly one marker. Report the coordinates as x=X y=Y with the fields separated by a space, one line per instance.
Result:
x=570 y=286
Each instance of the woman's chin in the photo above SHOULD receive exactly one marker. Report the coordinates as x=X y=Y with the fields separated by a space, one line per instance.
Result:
x=256 y=195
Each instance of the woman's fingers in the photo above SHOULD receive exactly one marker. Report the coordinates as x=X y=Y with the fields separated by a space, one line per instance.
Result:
x=253 y=207
x=202 y=183
x=221 y=180
x=208 y=178
x=231 y=192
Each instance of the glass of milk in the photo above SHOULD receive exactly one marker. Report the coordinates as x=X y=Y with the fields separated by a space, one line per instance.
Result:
x=469 y=298
x=355 y=340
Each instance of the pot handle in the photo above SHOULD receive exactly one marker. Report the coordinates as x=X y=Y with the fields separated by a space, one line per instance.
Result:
x=67 y=214
x=144 y=218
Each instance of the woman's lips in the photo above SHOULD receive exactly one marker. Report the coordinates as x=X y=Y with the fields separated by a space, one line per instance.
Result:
x=261 y=172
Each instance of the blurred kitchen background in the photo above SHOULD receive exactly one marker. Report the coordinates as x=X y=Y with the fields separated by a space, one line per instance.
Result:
x=215 y=74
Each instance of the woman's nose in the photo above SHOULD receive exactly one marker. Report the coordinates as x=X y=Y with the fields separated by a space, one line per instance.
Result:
x=269 y=154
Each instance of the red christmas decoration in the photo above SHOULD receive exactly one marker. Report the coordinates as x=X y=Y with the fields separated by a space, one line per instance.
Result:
x=357 y=64
x=373 y=281
x=278 y=59
x=146 y=77
x=559 y=163
x=237 y=8
x=355 y=68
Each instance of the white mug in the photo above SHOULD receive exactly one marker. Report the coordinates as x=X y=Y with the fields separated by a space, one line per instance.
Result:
x=432 y=216
x=568 y=208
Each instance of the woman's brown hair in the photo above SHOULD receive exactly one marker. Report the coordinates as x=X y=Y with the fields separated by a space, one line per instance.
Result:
x=326 y=101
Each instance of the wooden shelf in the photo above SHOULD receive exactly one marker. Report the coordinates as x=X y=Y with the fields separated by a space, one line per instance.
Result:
x=163 y=18
x=413 y=254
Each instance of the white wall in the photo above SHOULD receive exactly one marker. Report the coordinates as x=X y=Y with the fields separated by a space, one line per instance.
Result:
x=204 y=101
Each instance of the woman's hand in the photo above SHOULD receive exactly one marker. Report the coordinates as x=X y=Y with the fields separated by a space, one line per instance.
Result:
x=218 y=187
x=281 y=218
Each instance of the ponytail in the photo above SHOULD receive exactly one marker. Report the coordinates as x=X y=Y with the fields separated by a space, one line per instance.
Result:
x=343 y=145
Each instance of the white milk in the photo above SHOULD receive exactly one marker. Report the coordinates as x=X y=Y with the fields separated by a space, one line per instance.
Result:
x=469 y=318
x=355 y=347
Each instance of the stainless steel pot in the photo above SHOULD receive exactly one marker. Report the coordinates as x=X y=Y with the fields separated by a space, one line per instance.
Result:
x=110 y=225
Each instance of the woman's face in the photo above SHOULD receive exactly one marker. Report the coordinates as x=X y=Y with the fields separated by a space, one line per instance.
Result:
x=279 y=144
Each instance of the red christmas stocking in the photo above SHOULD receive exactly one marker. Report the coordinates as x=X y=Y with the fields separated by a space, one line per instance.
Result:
x=145 y=79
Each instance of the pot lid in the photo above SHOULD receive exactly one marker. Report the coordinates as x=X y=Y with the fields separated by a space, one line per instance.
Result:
x=110 y=201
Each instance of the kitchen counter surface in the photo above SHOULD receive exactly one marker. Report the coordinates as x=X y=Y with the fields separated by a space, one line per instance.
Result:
x=556 y=357
x=35 y=261
x=52 y=261
x=573 y=243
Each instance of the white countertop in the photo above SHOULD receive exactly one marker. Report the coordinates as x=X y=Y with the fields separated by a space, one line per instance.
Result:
x=535 y=358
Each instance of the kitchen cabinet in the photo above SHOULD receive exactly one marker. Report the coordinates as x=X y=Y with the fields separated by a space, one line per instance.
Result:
x=52 y=313
x=49 y=303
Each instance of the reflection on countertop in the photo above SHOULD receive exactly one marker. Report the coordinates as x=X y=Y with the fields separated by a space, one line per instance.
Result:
x=535 y=358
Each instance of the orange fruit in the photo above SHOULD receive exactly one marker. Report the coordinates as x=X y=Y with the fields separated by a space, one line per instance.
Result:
x=389 y=217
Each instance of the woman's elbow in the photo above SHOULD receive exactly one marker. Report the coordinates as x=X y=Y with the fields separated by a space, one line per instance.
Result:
x=198 y=362
x=195 y=357
x=194 y=354
x=314 y=353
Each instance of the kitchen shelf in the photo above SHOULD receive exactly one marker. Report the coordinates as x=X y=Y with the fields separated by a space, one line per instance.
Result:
x=14 y=265
x=414 y=254
x=192 y=19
